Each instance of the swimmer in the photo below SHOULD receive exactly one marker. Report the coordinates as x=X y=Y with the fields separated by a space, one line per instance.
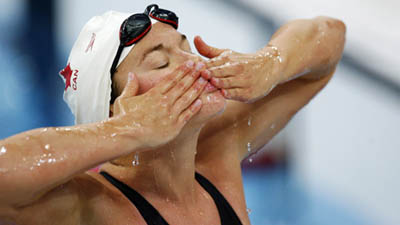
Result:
x=178 y=125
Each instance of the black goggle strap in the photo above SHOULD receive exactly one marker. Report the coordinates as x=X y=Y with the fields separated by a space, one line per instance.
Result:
x=162 y=15
x=165 y=20
x=149 y=9
x=116 y=59
x=124 y=44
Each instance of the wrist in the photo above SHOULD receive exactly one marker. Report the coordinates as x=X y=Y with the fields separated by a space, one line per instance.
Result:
x=115 y=134
x=274 y=62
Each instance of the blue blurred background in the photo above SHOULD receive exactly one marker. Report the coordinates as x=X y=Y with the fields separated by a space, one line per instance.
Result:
x=337 y=162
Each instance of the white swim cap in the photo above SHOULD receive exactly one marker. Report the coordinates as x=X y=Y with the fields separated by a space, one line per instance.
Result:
x=87 y=75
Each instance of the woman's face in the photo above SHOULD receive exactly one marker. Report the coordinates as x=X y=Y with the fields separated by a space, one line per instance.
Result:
x=158 y=54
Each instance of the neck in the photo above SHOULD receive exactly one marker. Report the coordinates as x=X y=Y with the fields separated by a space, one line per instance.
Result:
x=166 y=173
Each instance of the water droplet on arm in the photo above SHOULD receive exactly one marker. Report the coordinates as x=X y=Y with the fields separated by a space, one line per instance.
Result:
x=249 y=147
x=249 y=121
x=135 y=161
x=3 y=150
x=248 y=211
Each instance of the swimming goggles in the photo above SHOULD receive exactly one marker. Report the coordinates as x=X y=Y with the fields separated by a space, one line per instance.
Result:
x=138 y=25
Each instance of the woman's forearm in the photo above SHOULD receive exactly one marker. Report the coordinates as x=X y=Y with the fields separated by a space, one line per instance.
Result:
x=306 y=48
x=33 y=162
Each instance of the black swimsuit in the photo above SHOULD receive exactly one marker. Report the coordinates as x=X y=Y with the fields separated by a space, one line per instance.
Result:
x=153 y=217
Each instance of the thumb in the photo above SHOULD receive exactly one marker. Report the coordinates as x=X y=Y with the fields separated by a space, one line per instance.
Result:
x=132 y=86
x=206 y=50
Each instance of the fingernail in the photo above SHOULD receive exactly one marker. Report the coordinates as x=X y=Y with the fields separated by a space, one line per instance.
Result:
x=199 y=66
x=189 y=64
x=207 y=74
x=225 y=93
x=130 y=76
x=197 y=103
x=214 y=81
x=202 y=80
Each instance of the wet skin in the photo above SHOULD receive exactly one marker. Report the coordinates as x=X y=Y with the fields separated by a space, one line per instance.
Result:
x=211 y=141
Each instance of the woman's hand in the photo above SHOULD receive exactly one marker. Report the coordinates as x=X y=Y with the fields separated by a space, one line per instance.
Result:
x=241 y=77
x=160 y=114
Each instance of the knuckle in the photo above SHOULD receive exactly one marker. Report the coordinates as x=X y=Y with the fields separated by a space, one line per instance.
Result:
x=181 y=85
x=164 y=102
x=244 y=81
x=182 y=68
x=220 y=83
x=173 y=82
x=194 y=74
x=240 y=68
x=187 y=116
x=248 y=94
x=225 y=57
x=185 y=99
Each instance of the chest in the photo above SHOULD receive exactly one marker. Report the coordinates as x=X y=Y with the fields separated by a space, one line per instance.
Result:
x=120 y=211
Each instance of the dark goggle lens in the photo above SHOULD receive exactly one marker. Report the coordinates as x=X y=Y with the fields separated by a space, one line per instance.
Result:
x=165 y=16
x=134 y=28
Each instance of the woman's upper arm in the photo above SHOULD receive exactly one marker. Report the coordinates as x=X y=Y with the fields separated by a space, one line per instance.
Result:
x=64 y=203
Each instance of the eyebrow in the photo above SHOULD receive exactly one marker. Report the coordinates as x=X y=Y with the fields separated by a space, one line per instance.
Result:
x=159 y=47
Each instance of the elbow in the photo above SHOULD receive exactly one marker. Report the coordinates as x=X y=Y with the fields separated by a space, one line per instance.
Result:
x=333 y=29
x=333 y=35
x=332 y=23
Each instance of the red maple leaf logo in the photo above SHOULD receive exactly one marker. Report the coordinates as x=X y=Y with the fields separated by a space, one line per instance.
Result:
x=67 y=73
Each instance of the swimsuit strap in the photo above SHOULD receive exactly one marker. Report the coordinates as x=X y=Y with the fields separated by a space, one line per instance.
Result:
x=148 y=212
x=153 y=217
x=226 y=212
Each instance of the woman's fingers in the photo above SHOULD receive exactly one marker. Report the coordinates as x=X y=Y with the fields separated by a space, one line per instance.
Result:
x=226 y=70
x=234 y=94
x=218 y=61
x=227 y=83
x=206 y=50
x=190 y=96
x=217 y=56
x=185 y=83
x=172 y=79
x=190 y=112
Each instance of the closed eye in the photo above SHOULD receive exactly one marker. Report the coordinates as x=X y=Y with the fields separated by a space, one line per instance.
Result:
x=163 y=66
